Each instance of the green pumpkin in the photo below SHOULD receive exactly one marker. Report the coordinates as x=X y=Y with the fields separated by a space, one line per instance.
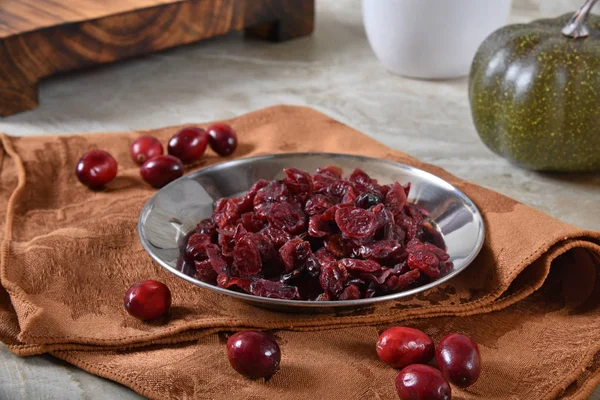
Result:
x=535 y=95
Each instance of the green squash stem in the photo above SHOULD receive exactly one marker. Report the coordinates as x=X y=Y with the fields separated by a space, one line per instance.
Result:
x=576 y=27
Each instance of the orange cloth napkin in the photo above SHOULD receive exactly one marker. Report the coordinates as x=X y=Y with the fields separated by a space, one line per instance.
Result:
x=531 y=299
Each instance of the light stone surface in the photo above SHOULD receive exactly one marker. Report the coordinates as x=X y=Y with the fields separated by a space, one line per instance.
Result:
x=333 y=71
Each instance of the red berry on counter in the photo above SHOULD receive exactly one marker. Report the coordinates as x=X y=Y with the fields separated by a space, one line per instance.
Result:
x=161 y=170
x=459 y=360
x=96 y=168
x=147 y=300
x=422 y=382
x=145 y=148
x=222 y=139
x=188 y=144
x=401 y=346
x=253 y=354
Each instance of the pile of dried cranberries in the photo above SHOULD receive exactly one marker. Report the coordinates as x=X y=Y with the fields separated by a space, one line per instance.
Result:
x=96 y=168
x=318 y=237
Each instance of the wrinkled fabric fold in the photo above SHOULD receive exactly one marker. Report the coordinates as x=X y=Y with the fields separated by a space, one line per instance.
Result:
x=69 y=253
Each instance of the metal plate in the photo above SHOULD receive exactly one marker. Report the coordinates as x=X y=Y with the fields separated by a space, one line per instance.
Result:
x=175 y=210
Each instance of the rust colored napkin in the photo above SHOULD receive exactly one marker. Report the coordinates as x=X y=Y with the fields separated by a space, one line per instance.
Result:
x=531 y=299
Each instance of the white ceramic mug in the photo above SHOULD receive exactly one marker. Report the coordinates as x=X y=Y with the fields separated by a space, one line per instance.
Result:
x=431 y=39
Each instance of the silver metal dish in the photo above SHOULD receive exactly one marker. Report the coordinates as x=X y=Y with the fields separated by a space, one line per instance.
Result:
x=175 y=210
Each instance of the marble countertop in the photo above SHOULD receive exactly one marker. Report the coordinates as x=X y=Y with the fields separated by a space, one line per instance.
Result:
x=334 y=71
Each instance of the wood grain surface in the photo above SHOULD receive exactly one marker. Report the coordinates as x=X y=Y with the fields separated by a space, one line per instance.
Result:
x=40 y=38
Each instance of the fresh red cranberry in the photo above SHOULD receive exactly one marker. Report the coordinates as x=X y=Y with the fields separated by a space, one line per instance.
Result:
x=96 y=168
x=145 y=148
x=222 y=139
x=400 y=347
x=253 y=354
x=188 y=144
x=422 y=382
x=147 y=300
x=459 y=360
x=161 y=170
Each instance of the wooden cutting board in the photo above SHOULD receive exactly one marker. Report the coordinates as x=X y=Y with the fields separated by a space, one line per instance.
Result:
x=40 y=38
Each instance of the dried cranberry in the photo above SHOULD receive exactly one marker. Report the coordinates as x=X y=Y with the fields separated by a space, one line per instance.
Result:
x=337 y=190
x=356 y=281
x=275 y=191
x=268 y=254
x=227 y=282
x=361 y=180
x=225 y=213
x=367 y=269
x=274 y=290
x=326 y=176
x=205 y=271
x=246 y=202
x=349 y=196
x=329 y=214
x=409 y=226
x=425 y=261
x=382 y=251
x=246 y=258
x=323 y=297
x=395 y=199
x=396 y=233
x=196 y=247
x=401 y=268
x=277 y=236
x=294 y=254
x=318 y=204
x=324 y=256
x=355 y=222
x=226 y=241
x=217 y=262
x=239 y=232
x=208 y=228
x=336 y=245
x=367 y=266
x=251 y=223
x=352 y=292
x=415 y=245
x=397 y=282
x=287 y=216
x=298 y=181
x=330 y=170
x=316 y=227
x=333 y=278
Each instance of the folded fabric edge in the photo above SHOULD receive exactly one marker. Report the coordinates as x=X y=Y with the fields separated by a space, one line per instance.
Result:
x=8 y=220
x=493 y=302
